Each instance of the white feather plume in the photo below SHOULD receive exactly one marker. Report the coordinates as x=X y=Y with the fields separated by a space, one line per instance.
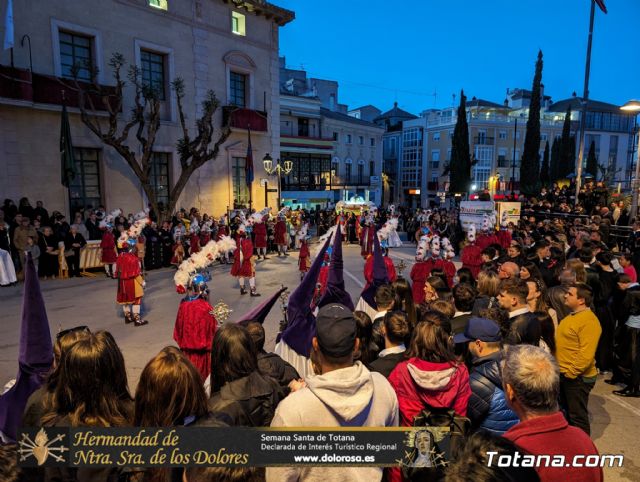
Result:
x=226 y=244
x=423 y=248
x=108 y=219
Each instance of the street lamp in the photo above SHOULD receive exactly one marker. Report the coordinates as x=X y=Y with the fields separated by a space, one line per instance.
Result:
x=286 y=167
x=634 y=106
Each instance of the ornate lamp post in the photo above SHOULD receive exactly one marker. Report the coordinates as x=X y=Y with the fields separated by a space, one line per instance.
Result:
x=286 y=167
x=634 y=106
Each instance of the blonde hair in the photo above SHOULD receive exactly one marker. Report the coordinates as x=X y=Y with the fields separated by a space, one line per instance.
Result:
x=577 y=267
x=488 y=283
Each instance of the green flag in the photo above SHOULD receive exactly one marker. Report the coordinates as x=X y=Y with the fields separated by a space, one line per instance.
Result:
x=67 y=161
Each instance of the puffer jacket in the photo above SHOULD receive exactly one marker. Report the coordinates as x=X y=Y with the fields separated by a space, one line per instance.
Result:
x=419 y=383
x=488 y=407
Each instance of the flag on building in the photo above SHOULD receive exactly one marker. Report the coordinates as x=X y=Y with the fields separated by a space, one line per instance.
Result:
x=601 y=5
x=66 y=150
x=248 y=167
x=8 y=26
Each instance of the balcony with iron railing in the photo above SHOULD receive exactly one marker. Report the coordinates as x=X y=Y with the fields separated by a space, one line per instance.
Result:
x=351 y=181
x=484 y=140
x=27 y=86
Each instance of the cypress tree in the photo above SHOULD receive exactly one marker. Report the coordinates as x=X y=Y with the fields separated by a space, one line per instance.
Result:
x=544 y=169
x=554 y=164
x=460 y=164
x=592 y=161
x=567 y=159
x=530 y=165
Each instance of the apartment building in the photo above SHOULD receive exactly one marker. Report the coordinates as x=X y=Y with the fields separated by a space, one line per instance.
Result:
x=230 y=47
x=335 y=153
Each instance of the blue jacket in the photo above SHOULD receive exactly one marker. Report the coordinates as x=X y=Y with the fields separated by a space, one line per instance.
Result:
x=488 y=407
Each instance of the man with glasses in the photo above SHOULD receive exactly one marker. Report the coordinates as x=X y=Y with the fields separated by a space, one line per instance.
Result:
x=508 y=270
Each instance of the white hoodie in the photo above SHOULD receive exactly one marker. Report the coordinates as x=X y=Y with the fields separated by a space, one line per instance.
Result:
x=351 y=396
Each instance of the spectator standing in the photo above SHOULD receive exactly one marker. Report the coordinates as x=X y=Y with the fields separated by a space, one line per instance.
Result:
x=576 y=342
x=342 y=393
x=532 y=385
x=42 y=213
x=629 y=341
x=488 y=409
x=395 y=330
x=627 y=266
x=21 y=235
x=464 y=297
x=93 y=227
x=74 y=241
x=80 y=226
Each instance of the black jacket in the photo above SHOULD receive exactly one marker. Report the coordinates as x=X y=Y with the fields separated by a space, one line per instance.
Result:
x=630 y=304
x=250 y=401
x=385 y=365
x=278 y=369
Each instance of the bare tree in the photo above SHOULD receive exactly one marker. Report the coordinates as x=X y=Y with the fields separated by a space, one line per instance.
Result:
x=144 y=122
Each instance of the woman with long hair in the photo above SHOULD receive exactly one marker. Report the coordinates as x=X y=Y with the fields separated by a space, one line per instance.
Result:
x=364 y=332
x=169 y=394
x=529 y=270
x=238 y=388
x=547 y=331
x=431 y=375
x=34 y=409
x=92 y=389
x=404 y=299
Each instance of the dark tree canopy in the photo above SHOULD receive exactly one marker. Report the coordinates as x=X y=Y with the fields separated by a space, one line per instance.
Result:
x=592 y=160
x=460 y=164
x=544 y=169
x=530 y=165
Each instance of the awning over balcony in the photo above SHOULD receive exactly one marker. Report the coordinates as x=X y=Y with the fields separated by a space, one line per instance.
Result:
x=240 y=118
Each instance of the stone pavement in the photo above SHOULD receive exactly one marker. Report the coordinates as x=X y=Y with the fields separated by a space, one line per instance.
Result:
x=615 y=421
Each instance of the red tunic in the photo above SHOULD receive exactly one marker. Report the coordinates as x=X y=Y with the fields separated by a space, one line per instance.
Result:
x=260 y=235
x=471 y=257
x=129 y=279
x=368 y=270
x=246 y=268
x=504 y=238
x=108 y=246
x=419 y=274
x=205 y=238
x=304 y=260
x=194 y=331
x=449 y=270
x=486 y=240
x=280 y=232
x=223 y=230
x=194 y=246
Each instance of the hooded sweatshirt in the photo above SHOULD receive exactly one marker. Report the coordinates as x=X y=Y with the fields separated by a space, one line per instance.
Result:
x=419 y=383
x=348 y=397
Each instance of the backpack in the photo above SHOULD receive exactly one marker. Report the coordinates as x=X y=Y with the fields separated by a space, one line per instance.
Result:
x=447 y=432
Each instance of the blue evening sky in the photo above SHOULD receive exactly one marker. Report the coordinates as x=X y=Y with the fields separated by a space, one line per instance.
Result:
x=380 y=50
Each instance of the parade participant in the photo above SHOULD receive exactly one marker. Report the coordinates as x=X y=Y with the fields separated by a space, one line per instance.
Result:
x=379 y=276
x=109 y=255
x=321 y=284
x=194 y=238
x=487 y=236
x=177 y=249
x=244 y=263
x=366 y=236
x=293 y=344
x=196 y=323
x=304 y=259
x=504 y=235
x=342 y=222
x=223 y=230
x=471 y=255
x=260 y=231
x=446 y=264
x=301 y=233
x=420 y=270
x=335 y=291
x=205 y=233
x=130 y=281
x=280 y=233
x=382 y=236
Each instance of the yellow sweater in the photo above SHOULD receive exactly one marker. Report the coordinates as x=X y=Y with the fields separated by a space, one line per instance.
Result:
x=577 y=338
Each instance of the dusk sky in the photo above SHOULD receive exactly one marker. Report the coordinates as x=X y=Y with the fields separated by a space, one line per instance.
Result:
x=380 y=51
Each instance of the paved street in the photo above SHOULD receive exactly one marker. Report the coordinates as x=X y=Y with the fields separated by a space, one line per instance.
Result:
x=91 y=301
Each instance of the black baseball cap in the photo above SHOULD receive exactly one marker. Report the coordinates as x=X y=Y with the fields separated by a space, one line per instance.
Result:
x=336 y=330
x=481 y=329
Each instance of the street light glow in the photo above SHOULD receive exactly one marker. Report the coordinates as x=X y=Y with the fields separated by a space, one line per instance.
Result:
x=631 y=106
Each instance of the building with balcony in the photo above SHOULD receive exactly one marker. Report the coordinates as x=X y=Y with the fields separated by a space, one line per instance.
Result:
x=335 y=156
x=496 y=139
x=228 y=47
